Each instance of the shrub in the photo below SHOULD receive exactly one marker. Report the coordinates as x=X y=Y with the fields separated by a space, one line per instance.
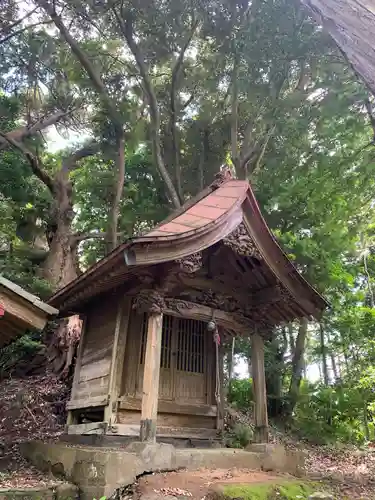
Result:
x=329 y=414
x=239 y=436
x=241 y=394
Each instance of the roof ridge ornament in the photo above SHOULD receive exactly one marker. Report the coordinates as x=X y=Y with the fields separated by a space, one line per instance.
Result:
x=222 y=176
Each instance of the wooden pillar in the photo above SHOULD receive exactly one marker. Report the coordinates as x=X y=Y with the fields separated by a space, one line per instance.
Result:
x=151 y=377
x=259 y=388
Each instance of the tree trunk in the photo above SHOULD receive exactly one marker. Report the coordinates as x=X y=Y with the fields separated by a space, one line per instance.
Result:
x=335 y=368
x=230 y=364
x=351 y=25
x=323 y=352
x=117 y=194
x=60 y=268
x=297 y=365
x=365 y=420
x=292 y=343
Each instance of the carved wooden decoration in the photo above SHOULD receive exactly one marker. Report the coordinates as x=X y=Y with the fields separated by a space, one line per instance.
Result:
x=216 y=300
x=241 y=242
x=178 y=305
x=151 y=301
x=221 y=177
x=192 y=263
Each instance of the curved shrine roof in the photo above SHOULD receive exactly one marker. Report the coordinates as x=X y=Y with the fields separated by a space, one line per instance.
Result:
x=202 y=222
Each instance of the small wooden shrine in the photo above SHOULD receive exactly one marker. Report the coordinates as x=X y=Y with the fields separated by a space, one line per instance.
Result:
x=156 y=309
x=20 y=311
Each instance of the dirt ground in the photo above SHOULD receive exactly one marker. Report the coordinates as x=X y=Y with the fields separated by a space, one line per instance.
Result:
x=195 y=484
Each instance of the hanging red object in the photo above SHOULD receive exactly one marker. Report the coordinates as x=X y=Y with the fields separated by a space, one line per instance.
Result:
x=217 y=338
x=2 y=311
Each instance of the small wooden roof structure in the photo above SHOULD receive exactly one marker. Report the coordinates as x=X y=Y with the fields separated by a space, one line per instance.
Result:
x=217 y=251
x=19 y=311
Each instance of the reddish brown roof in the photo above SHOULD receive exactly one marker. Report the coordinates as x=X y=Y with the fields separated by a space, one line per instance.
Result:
x=205 y=211
x=199 y=224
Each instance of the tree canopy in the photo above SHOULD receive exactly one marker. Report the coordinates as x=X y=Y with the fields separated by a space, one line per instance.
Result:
x=160 y=94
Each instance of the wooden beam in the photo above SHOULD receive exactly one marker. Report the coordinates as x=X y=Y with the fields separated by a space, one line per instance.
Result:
x=91 y=402
x=26 y=313
x=118 y=355
x=129 y=403
x=229 y=321
x=267 y=295
x=151 y=377
x=259 y=389
x=161 y=432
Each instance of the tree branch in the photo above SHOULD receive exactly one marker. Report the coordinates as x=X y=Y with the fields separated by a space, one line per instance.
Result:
x=85 y=62
x=21 y=30
x=176 y=71
x=81 y=236
x=70 y=163
x=32 y=159
x=19 y=21
x=127 y=31
x=234 y=116
x=24 y=132
x=117 y=194
x=263 y=148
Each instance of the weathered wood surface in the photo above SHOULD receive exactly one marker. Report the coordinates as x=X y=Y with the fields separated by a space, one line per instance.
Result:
x=133 y=430
x=351 y=25
x=94 y=362
x=169 y=419
x=118 y=354
x=259 y=385
x=128 y=403
x=91 y=402
x=77 y=368
x=151 y=378
x=165 y=432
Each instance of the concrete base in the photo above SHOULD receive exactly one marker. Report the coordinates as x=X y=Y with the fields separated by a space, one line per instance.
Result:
x=63 y=491
x=278 y=458
x=100 y=472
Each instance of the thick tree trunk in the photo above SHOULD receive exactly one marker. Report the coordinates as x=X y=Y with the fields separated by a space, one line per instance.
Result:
x=351 y=25
x=297 y=365
x=60 y=268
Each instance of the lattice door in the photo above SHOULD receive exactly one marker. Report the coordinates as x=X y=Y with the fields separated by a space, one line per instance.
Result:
x=166 y=360
x=191 y=356
x=183 y=363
